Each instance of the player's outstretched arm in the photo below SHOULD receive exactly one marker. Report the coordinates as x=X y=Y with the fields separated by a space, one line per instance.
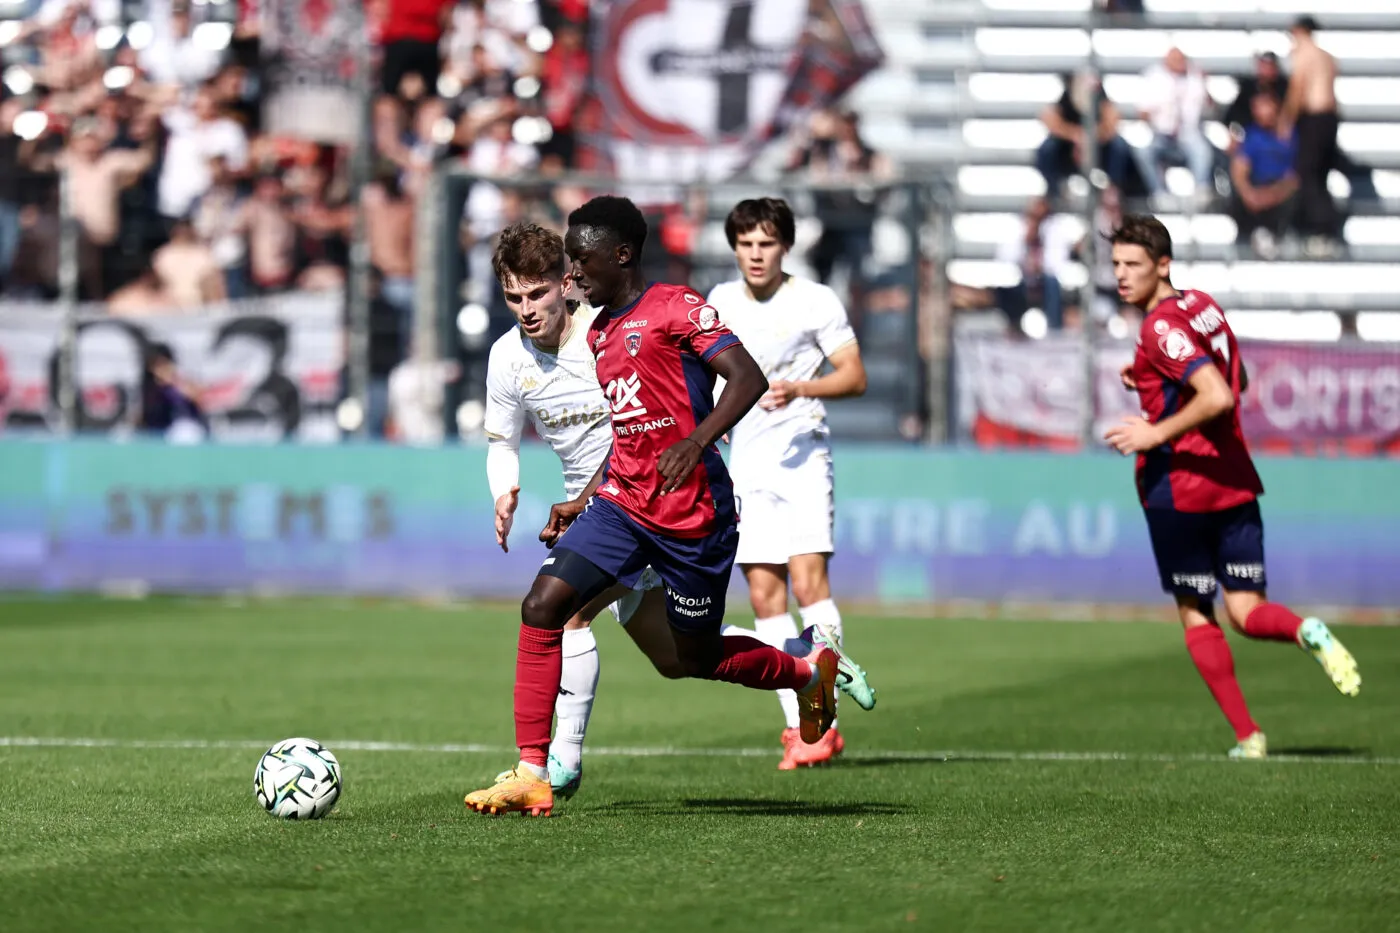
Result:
x=1213 y=398
x=744 y=385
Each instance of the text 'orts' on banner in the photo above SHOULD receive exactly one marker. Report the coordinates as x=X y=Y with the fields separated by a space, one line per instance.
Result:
x=1302 y=398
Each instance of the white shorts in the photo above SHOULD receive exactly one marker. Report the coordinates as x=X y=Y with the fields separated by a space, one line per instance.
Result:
x=791 y=512
x=624 y=608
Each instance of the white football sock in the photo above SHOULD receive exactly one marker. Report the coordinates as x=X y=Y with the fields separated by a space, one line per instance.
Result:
x=824 y=612
x=781 y=632
x=578 y=682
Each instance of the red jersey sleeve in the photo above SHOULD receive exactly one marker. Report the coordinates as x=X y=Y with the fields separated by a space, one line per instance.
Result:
x=1170 y=347
x=697 y=326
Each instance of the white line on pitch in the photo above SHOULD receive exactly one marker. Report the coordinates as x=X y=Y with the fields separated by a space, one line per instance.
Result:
x=666 y=751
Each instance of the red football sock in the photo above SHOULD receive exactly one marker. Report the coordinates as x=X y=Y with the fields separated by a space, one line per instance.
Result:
x=750 y=662
x=1273 y=622
x=1211 y=653
x=539 y=658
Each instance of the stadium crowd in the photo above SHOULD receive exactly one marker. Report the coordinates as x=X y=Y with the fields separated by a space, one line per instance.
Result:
x=181 y=197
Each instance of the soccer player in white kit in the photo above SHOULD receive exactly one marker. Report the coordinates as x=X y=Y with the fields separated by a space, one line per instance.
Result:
x=780 y=457
x=543 y=371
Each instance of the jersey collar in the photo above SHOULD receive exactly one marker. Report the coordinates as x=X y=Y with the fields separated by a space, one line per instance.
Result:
x=1174 y=297
x=628 y=308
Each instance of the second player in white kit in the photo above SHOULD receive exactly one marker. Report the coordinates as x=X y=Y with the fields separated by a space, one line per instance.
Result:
x=780 y=455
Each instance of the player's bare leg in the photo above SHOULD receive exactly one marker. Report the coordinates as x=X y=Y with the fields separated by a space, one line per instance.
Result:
x=539 y=658
x=651 y=632
x=1210 y=652
x=1254 y=616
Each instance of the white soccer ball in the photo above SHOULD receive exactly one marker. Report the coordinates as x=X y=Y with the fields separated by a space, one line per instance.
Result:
x=297 y=779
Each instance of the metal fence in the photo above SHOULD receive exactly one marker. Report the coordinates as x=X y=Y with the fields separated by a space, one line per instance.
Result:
x=865 y=242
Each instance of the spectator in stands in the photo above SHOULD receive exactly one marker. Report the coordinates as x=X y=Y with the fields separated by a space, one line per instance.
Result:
x=1108 y=216
x=97 y=175
x=142 y=296
x=410 y=33
x=325 y=222
x=1264 y=180
x=389 y=224
x=1062 y=153
x=272 y=236
x=187 y=269
x=168 y=402
x=1041 y=253
x=174 y=58
x=1174 y=103
x=1268 y=78
x=498 y=29
x=221 y=220
x=9 y=184
x=1311 y=107
x=836 y=154
x=197 y=135
x=565 y=78
x=67 y=47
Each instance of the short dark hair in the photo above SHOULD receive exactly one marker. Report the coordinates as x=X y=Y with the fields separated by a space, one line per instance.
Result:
x=761 y=212
x=1306 y=24
x=528 y=252
x=1146 y=231
x=618 y=216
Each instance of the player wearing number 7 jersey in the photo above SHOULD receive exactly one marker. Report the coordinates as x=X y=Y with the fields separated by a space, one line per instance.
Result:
x=1196 y=480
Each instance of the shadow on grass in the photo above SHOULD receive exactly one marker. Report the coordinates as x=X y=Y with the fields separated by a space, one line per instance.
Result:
x=735 y=806
x=1322 y=751
x=893 y=761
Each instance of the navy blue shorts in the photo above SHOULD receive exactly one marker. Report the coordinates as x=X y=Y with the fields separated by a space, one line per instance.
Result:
x=1195 y=550
x=605 y=544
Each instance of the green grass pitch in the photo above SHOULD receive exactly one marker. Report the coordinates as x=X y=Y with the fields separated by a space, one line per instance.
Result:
x=1148 y=828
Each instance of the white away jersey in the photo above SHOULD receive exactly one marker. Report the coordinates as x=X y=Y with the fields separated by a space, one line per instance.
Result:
x=560 y=395
x=790 y=335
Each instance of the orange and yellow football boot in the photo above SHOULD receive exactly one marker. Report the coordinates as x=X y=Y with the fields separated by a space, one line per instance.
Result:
x=515 y=791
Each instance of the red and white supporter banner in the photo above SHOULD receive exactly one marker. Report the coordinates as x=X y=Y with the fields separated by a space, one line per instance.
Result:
x=310 y=50
x=690 y=89
x=1303 y=398
x=265 y=368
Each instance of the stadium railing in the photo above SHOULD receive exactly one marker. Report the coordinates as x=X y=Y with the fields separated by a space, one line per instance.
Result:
x=686 y=244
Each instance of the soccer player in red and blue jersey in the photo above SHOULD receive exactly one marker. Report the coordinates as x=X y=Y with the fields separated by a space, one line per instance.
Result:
x=663 y=499
x=1196 y=480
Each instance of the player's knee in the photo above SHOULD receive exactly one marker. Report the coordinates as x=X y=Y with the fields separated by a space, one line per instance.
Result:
x=808 y=590
x=768 y=603
x=543 y=610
